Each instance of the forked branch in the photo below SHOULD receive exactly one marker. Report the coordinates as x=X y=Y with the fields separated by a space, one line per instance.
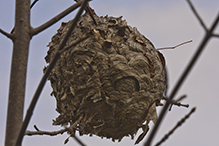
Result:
x=45 y=76
x=71 y=129
x=176 y=102
x=55 y=19
x=197 y=15
x=88 y=10
x=208 y=35
x=53 y=133
x=10 y=36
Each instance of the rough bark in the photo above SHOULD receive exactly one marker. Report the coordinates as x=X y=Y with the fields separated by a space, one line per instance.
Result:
x=113 y=79
x=18 y=71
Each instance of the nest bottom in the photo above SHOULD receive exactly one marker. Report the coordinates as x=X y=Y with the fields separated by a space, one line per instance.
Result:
x=116 y=120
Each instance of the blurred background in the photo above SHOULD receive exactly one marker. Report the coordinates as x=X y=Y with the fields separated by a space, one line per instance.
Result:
x=165 y=23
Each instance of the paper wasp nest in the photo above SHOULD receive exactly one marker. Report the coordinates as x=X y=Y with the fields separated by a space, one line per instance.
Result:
x=113 y=79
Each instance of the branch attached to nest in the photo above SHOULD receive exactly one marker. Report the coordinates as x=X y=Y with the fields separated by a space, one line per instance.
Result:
x=177 y=126
x=55 y=19
x=176 y=102
x=175 y=46
x=69 y=129
x=50 y=133
x=90 y=12
x=53 y=133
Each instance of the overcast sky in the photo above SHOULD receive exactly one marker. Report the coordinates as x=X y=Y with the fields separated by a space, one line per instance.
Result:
x=165 y=23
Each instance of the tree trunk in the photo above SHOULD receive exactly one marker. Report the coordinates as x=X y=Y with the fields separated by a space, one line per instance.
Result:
x=18 y=71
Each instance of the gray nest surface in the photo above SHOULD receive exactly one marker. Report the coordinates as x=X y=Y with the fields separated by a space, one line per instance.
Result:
x=113 y=78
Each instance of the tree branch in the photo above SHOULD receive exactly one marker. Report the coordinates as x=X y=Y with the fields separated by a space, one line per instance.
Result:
x=69 y=129
x=53 y=133
x=201 y=47
x=88 y=9
x=35 y=1
x=39 y=132
x=176 y=102
x=55 y=19
x=18 y=71
x=175 y=46
x=177 y=126
x=45 y=76
x=197 y=15
x=10 y=36
x=31 y=6
x=215 y=35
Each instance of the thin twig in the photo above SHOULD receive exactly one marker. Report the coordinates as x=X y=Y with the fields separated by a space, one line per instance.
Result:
x=45 y=76
x=53 y=133
x=87 y=9
x=73 y=133
x=175 y=46
x=177 y=126
x=176 y=102
x=50 y=133
x=91 y=14
x=201 y=47
x=36 y=128
x=197 y=15
x=215 y=35
x=10 y=36
x=78 y=140
x=52 y=21
x=69 y=129
x=34 y=2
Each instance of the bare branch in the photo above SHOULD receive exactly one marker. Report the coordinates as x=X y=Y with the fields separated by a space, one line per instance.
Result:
x=45 y=76
x=35 y=1
x=176 y=102
x=69 y=129
x=196 y=14
x=88 y=9
x=78 y=140
x=175 y=46
x=215 y=23
x=10 y=36
x=215 y=35
x=55 y=19
x=31 y=6
x=191 y=64
x=36 y=128
x=53 y=133
x=177 y=126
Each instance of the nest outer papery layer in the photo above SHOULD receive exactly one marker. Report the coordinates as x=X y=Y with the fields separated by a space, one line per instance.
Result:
x=113 y=78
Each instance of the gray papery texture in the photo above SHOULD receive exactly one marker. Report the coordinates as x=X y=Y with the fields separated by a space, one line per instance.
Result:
x=114 y=78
